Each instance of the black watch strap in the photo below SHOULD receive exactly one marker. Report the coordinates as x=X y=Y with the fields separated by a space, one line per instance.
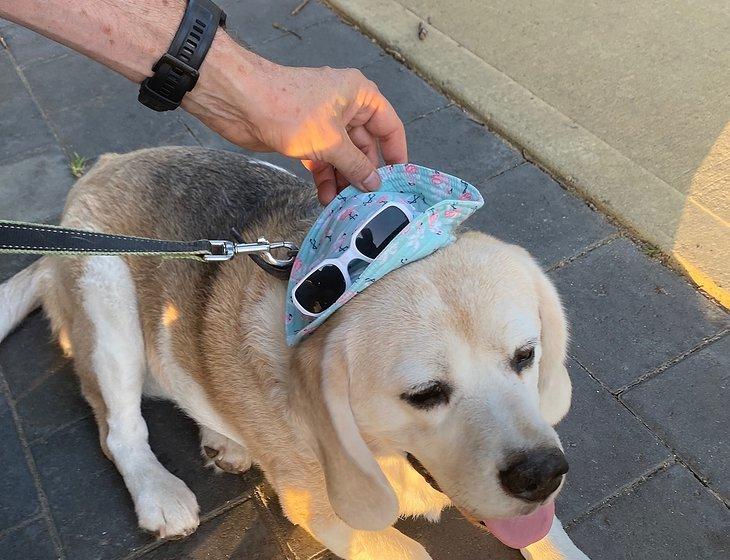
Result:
x=176 y=72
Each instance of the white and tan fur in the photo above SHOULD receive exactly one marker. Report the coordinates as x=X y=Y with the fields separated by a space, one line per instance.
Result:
x=325 y=420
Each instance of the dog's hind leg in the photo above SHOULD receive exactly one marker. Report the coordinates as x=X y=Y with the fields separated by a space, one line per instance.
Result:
x=164 y=504
x=223 y=453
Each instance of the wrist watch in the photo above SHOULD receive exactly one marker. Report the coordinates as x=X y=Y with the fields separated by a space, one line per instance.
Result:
x=176 y=73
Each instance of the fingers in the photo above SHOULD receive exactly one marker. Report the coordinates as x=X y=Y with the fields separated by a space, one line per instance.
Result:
x=353 y=164
x=324 y=178
x=387 y=128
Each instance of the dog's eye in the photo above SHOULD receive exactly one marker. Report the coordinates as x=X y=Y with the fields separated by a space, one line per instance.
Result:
x=523 y=358
x=431 y=395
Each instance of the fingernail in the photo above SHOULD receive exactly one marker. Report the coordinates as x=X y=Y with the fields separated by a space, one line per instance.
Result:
x=372 y=182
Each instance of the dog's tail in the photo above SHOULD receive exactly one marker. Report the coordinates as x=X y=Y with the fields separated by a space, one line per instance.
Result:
x=20 y=295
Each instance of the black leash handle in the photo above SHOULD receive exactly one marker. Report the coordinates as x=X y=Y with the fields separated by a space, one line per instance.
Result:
x=42 y=239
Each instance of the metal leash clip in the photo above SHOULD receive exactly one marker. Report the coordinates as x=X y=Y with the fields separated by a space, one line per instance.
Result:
x=222 y=250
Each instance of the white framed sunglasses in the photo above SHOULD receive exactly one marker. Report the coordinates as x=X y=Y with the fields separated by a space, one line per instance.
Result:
x=331 y=278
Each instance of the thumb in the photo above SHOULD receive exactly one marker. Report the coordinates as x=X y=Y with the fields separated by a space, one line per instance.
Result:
x=354 y=165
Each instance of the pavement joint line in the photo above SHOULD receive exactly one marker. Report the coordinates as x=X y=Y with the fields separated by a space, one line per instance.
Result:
x=284 y=34
x=677 y=456
x=583 y=252
x=40 y=380
x=44 y=114
x=33 y=469
x=262 y=505
x=484 y=180
x=45 y=437
x=638 y=481
x=190 y=130
x=18 y=526
x=25 y=154
x=429 y=113
x=229 y=505
x=704 y=343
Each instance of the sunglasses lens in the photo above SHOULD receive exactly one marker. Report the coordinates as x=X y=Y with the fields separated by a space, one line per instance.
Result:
x=380 y=231
x=320 y=289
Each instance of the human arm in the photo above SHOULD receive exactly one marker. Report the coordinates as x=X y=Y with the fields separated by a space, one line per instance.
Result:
x=334 y=120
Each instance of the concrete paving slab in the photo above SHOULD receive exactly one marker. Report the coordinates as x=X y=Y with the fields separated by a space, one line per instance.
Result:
x=29 y=47
x=12 y=264
x=448 y=140
x=525 y=206
x=24 y=131
x=101 y=523
x=329 y=43
x=252 y=22
x=606 y=446
x=238 y=534
x=24 y=369
x=19 y=498
x=671 y=515
x=30 y=542
x=603 y=95
x=409 y=95
x=687 y=405
x=123 y=125
x=32 y=189
x=629 y=314
x=73 y=80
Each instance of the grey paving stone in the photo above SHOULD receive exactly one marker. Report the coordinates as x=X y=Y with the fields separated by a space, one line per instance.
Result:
x=450 y=141
x=606 y=446
x=54 y=400
x=29 y=47
x=18 y=498
x=89 y=503
x=34 y=189
x=629 y=314
x=117 y=124
x=238 y=534
x=410 y=96
x=671 y=515
x=29 y=354
x=453 y=538
x=72 y=80
x=525 y=206
x=23 y=128
x=330 y=43
x=12 y=264
x=688 y=406
x=30 y=542
x=251 y=21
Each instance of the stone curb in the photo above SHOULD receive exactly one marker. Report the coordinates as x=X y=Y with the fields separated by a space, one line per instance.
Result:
x=682 y=227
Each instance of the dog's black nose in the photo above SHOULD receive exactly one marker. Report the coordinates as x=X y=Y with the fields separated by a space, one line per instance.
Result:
x=535 y=474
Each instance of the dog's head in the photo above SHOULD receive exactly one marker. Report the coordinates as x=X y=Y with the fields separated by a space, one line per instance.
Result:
x=456 y=360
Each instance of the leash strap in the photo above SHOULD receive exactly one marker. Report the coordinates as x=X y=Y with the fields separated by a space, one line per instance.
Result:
x=42 y=239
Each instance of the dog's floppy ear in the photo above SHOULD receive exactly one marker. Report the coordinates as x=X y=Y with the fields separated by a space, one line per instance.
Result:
x=356 y=486
x=554 y=383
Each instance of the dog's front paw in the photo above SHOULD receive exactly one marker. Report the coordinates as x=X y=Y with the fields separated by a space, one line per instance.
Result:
x=223 y=453
x=166 y=506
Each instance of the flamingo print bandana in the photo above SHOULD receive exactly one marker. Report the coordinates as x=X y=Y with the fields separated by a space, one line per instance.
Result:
x=439 y=203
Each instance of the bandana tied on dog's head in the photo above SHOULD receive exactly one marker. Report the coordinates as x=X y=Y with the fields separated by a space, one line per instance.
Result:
x=437 y=203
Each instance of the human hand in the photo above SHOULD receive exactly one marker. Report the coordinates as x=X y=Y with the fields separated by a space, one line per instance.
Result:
x=335 y=121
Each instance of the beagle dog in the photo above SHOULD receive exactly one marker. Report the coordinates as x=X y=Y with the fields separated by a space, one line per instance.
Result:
x=439 y=385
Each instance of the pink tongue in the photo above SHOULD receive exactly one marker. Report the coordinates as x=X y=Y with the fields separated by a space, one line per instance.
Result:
x=518 y=532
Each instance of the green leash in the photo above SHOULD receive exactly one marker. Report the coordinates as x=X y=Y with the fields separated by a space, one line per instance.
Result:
x=43 y=239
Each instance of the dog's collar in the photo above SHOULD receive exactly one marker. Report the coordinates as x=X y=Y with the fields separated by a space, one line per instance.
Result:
x=439 y=203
